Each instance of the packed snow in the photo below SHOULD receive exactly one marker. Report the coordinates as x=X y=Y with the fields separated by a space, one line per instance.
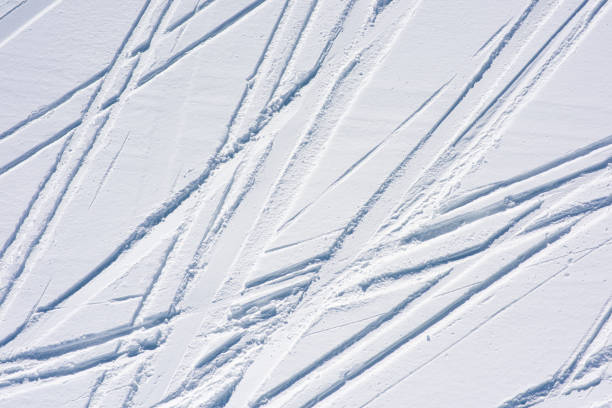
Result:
x=300 y=203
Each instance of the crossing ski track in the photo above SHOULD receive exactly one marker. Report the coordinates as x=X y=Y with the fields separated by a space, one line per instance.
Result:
x=283 y=203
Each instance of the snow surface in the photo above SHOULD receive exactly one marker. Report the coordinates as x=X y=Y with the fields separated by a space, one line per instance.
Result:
x=298 y=203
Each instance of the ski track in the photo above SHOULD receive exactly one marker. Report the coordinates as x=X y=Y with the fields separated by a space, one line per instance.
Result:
x=235 y=291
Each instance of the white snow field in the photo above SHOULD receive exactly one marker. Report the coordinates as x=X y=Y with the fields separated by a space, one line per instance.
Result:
x=300 y=203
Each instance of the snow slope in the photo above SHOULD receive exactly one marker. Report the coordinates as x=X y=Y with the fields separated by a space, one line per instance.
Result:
x=299 y=203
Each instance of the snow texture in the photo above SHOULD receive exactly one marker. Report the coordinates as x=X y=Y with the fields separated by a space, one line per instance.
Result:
x=300 y=203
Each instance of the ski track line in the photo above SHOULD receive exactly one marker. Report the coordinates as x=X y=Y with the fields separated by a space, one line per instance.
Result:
x=454 y=256
x=28 y=209
x=598 y=359
x=357 y=164
x=443 y=227
x=271 y=37
x=12 y=278
x=42 y=111
x=353 y=223
x=171 y=248
x=123 y=87
x=251 y=84
x=491 y=38
x=39 y=147
x=15 y=7
x=73 y=168
x=250 y=313
x=29 y=23
x=563 y=47
x=305 y=144
x=209 y=239
x=200 y=5
x=109 y=168
x=279 y=78
x=324 y=52
x=487 y=190
x=168 y=207
x=280 y=273
x=539 y=392
x=346 y=344
x=319 y=62
x=47 y=352
x=448 y=152
x=100 y=76
x=560 y=53
x=438 y=317
x=291 y=244
x=60 y=349
x=527 y=67
x=202 y=40
x=229 y=126
x=153 y=220
x=480 y=325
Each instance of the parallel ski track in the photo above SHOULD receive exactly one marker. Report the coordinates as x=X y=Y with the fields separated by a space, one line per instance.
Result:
x=305 y=289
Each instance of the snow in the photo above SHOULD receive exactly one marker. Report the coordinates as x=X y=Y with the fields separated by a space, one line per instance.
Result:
x=299 y=203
